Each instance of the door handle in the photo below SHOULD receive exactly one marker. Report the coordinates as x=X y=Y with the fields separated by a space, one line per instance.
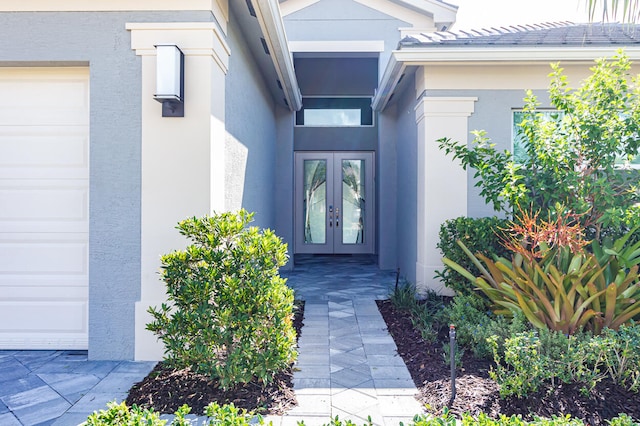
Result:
x=337 y=217
x=331 y=216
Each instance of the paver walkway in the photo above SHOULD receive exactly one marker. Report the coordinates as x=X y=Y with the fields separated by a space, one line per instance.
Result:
x=347 y=364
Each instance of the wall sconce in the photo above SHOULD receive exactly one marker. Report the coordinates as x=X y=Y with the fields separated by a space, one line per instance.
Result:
x=170 y=80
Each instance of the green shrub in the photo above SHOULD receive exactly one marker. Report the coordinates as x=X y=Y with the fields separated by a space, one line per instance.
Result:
x=121 y=414
x=619 y=355
x=475 y=323
x=483 y=235
x=229 y=313
x=529 y=359
x=218 y=415
x=230 y=415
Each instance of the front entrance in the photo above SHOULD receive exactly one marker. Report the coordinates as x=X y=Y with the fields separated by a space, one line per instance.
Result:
x=334 y=202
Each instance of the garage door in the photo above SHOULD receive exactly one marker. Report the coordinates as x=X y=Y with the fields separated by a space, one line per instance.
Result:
x=44 y=195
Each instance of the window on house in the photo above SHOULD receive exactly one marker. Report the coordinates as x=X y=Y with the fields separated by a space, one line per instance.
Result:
x=518 y=138
x=335 y=112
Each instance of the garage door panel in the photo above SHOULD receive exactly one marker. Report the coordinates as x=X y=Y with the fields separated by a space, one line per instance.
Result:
x=43 y=288
x=24 y=317
x=34 y=206
x=48 y=257
x=52 y=101
x=44 y=197
x=44 y=152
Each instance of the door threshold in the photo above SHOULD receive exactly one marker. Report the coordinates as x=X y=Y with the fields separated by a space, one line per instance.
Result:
x=328 y=259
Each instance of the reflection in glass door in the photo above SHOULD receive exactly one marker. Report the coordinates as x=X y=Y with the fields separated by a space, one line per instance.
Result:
x=334 y=202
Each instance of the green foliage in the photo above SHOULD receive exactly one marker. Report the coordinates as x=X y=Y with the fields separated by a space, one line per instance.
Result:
x=475 y=323
x=573 y=160
x=335 y=421
x=562 y=291
x=617 y=351
x=445 y=419
x=530 y=359
x=121 y=414
x=230 y=415
x=426 y=314
x=482 y=235
x=622 y=420
x=229 y=313
x=526 y=368
x=219 y=415
x=470 y=314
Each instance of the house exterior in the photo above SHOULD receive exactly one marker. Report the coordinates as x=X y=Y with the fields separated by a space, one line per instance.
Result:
x=319 y=115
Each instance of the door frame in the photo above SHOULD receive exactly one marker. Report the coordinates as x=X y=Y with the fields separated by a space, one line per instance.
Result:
x=334 y=191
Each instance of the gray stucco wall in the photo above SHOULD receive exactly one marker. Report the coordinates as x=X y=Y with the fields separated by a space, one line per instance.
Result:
x=251 y=135
x=387 y=180
x=407 y=178
x=494 y=114
x=344 y=20
x=284 y=179
x=100 y=41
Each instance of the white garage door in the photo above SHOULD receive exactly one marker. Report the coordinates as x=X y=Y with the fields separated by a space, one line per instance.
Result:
x=44 y=196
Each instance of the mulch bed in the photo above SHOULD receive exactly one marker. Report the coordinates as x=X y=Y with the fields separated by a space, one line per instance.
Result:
x=476 y=392
x=166 y=389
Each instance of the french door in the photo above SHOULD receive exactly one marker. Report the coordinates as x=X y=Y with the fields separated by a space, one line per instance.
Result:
x=334 y=202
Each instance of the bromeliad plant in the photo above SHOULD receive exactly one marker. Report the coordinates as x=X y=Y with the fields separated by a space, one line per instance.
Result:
x=557 y=284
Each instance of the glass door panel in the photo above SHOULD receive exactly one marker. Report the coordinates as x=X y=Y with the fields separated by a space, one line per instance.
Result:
x=315 y=201
x=353 y=201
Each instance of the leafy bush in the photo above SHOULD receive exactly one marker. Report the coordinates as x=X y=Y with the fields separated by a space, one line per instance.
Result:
x=483 y=235
x=229 y=313
x=229 y=415
x=619 y=355
x=573 y=160
x=475 y=323
x=218 y=415
x=121 y=414
x=530 y=359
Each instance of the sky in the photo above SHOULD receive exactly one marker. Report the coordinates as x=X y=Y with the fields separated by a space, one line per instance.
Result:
x=474 y=14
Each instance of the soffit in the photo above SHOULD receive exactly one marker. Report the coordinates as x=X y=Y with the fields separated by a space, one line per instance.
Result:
x=269 y=49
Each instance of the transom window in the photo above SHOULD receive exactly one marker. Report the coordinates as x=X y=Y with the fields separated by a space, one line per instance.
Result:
x=335 y=112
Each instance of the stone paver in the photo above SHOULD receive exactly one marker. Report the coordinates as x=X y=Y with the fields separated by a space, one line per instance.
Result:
x=366 y=374
x=348 y=364
x=61 y=388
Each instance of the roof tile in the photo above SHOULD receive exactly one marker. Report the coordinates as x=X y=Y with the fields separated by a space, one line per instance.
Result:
x=548 y=34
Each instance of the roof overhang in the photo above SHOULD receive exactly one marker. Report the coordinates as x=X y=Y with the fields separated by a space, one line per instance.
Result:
x=272 y=27
x=402 y=59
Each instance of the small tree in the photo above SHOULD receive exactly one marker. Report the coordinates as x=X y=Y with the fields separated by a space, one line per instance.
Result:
x=575 y=160
x=229 y=313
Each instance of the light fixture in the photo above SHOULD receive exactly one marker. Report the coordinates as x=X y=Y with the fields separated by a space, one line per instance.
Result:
x=170 y=80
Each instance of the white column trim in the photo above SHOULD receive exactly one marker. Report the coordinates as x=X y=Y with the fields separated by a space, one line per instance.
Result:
x=442 y=183
x=194 y=39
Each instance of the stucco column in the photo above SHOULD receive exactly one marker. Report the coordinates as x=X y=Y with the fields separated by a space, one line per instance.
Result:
x=442 y=183
x=183 y=159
